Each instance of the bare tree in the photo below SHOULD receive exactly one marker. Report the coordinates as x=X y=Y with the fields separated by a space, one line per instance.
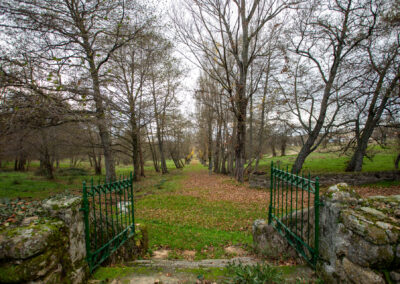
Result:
x=229 y=35
x=76 y=36
x=326 y=33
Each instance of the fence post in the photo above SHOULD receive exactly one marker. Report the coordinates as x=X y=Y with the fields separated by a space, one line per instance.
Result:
x=316 y=208
x=270 y=195
x=85 y=210
x=132 y=204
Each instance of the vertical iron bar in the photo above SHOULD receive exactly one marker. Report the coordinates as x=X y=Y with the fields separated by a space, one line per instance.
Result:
x=101 y=218
x=278 y=192
x=308 y=209
x=116 y=210
x=270 y=193
x=291 y=198
x=316 y=208
x=94 y=217
x=120 y=206
x=286 y=192
x=132 y=207
x=111 y=212
x=125 y=186
x=86 y=220
x=297 y=185
x=302 y=206
x=106 y=208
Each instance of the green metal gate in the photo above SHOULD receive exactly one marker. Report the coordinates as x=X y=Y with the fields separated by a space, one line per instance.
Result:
x=294 y=211
x=109 y=218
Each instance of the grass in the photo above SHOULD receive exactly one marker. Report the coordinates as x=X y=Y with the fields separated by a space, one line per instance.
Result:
x=231 y=274
x=333 y=162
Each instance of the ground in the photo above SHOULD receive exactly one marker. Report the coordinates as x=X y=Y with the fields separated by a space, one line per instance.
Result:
x=191 y=215
x=194 y=218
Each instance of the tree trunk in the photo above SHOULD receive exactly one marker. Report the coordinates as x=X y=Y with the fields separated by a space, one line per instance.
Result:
x=250 y=149
x=135 y=147
x=396 y=163
x=240 y=157
x=218 y=143
x=101 y=120
x=209 y=144
x=273 y=146
x=141 y=158
x=153 y=152
x=283 y=146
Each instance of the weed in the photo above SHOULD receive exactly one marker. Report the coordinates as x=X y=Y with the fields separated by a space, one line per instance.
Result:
x=253 y=274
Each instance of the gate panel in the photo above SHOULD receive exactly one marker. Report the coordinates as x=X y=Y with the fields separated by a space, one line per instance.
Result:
x=294 y=211
x=109 y=218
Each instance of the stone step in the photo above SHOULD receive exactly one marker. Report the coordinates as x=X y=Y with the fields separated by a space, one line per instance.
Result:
x=206 y=263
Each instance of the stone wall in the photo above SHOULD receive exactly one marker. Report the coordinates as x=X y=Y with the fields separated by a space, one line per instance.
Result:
x=46 y=248
x=50 y=246
x=359 y=238
x=262 y=180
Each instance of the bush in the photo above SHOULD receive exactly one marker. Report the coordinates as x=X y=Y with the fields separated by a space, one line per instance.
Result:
x=254 y=274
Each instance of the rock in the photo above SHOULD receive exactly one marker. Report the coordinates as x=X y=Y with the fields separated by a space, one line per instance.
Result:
x=27 y=221
x=338 y=187
x=357 y=274
x=27 y=241
x=367 y=254
x=268 y=242
x=358 y=240
x=30 y=269
x=395 y=276
x=384 y=226
x=63 y=202
x=374 y=212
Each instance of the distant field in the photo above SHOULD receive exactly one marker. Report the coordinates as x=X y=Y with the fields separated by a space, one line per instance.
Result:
x=333 y=162
x=27 y=185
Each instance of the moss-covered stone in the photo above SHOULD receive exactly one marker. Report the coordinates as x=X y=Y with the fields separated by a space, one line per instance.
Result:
x=30 y=269
x=27 y=241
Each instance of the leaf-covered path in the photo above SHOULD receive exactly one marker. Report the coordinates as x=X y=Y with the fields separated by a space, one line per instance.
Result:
x=193 y=217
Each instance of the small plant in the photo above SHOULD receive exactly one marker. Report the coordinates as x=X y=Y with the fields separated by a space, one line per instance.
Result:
x=253 y=274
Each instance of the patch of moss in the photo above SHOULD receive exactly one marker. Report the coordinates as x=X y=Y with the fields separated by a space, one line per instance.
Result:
x=211 y=273
x=105 y=273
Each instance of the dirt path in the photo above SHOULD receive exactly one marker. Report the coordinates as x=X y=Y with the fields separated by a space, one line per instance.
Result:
x=221 y=188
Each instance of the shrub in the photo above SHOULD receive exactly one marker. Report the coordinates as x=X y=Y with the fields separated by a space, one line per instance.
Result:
x=253 y=274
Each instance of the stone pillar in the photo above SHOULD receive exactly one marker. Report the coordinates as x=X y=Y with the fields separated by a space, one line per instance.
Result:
x=67 y=209
x=359 y=241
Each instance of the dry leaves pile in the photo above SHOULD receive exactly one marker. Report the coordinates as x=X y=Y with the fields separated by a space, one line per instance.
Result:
x=221 y=188
x=366 y=191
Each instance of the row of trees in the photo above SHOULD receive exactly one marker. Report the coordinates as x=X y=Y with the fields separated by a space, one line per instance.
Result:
x=89 y=80
x=313 y=70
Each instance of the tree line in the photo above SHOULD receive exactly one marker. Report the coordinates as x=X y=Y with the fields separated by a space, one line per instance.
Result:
x=92 y=80
x=300 y=72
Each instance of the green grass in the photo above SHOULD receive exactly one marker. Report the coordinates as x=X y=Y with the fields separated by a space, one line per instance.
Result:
x=27 y=185
x=331 y=162
x=281 y=274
